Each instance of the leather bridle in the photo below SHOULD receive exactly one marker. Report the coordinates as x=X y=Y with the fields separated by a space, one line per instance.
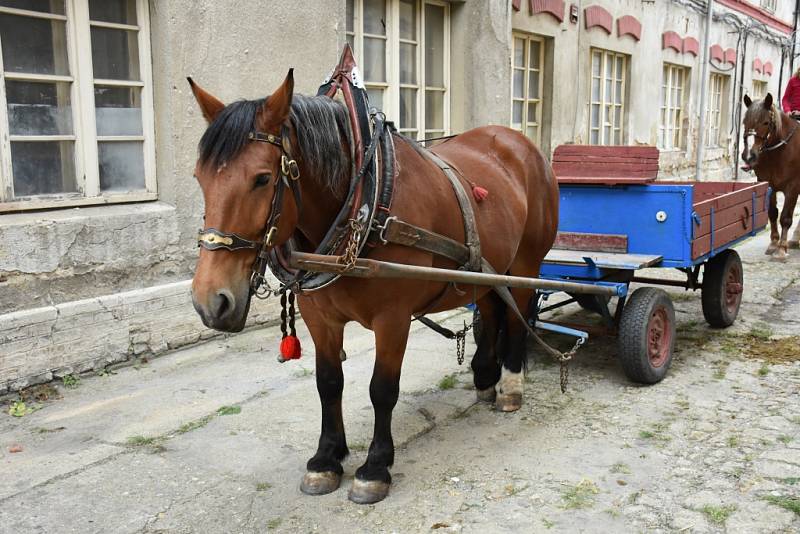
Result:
x=214 y=239
x=765 y=147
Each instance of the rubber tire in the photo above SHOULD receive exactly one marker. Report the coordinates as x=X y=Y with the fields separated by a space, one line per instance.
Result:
x=715 y=274
x=633 y=335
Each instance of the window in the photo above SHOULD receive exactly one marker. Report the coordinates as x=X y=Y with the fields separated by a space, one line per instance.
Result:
x=526 y=86
x=759 y=89
x=670 y=128
x=75 y=103
x=608 y=92
x=717 y=87
x=403 y=48
x=769 y=5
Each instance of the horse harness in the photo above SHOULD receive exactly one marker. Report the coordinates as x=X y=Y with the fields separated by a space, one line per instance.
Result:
x=364 y=220
x=765 y=138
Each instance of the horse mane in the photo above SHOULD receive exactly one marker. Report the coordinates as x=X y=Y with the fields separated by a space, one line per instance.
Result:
x=322 y=127
x=757 y=113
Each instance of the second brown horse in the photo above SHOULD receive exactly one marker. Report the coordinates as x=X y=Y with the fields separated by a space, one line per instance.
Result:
x=517 y=225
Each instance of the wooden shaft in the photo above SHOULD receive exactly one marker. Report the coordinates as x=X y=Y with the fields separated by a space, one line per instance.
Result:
x=367 y=268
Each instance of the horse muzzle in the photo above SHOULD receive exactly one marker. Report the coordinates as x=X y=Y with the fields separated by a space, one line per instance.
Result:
x=222 y=309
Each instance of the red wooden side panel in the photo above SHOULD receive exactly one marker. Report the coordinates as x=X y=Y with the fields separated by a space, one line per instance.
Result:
x=605 y=164
x=733 y=213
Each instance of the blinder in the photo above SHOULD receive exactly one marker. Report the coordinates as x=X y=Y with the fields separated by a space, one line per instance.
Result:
x=213 y=239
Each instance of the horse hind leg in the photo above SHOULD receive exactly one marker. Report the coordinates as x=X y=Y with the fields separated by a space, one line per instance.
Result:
x=789 y=203
x=794 y=242
x=485 y=364
x=510 y=387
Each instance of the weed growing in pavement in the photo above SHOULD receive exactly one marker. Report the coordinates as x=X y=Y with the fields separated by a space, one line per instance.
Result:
x=448 y=382
x=787 y=503
x=273 y=524
x=547 y=523
x=783 y=438
x=70 y=381
x=141 y=441
x=229 y=410
x=621 y=468
x=19 y=409
x=263 y=486
x=764 y=369
x=722 y=368
x=582 y=495
x=761 y=331
x=733 y=441
x=657 y=432
x=194 y=425
x=718 y=514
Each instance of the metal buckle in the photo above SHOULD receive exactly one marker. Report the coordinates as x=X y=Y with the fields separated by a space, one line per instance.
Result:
x=382 y=229
x=290 y=168
x=269 y=238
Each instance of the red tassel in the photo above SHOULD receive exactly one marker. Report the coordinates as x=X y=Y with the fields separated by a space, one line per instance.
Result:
x=479 y=193
x=290 y=349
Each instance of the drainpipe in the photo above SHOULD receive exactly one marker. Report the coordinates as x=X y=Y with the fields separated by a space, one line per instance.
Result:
x=794 y=39
x=701 y=132
x=737 y=116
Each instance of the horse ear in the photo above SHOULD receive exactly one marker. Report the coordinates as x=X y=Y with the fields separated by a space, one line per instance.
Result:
x=210 y=105
x=768 y=101
x=278 y=104
x=747 y=101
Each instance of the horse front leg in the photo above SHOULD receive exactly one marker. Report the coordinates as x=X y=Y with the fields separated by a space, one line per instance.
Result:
x=789 y=203
x=773 y=224
x=372 y=480
x=325 y=468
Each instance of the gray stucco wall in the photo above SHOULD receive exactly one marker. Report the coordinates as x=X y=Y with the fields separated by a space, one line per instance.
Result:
x=235 y=50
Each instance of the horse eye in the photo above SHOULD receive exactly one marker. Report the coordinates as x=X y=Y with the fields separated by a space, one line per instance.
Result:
x=263 y=179
x=766 y=123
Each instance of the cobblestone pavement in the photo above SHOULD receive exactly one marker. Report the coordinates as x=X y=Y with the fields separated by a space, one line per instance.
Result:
x=215 y=438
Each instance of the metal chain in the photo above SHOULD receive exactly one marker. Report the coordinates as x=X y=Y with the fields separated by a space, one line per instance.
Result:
x=563 y=360
x=348 y=259
x=461 y=341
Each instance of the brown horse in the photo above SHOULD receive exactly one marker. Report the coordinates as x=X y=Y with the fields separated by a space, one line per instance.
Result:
x=772 y=150
x=517 y=225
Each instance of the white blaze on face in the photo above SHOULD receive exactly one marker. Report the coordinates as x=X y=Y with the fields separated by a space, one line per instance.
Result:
x=749 y=136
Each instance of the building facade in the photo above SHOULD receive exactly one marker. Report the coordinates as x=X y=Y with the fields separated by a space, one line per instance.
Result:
x=98 y=128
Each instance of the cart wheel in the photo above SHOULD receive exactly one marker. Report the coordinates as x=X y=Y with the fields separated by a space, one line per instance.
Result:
x=723 y=280
x=647 y=335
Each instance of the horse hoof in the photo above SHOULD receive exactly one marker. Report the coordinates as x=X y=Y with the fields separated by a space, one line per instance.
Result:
x=368 y=491
x=486 y=395
x=508 y=402
x=320 y=483
x=771 y=250
x=780 y=256
x=794 y=244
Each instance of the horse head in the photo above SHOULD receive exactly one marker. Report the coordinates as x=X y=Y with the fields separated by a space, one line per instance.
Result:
x=762 y=128
x=243 y=166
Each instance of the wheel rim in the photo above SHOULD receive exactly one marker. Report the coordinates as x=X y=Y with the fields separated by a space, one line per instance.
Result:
x=659 y=337
x=733 y=288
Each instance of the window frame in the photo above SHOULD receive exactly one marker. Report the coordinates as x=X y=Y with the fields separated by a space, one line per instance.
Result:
x=82 y=102
x=667 y=110
x=524 y=126
x=717 y=87
x=604 y=102
x=763 y=84
x=392 y=85
x=769 y=5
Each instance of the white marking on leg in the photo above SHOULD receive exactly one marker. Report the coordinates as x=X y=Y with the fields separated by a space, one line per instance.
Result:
x=510 y=382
